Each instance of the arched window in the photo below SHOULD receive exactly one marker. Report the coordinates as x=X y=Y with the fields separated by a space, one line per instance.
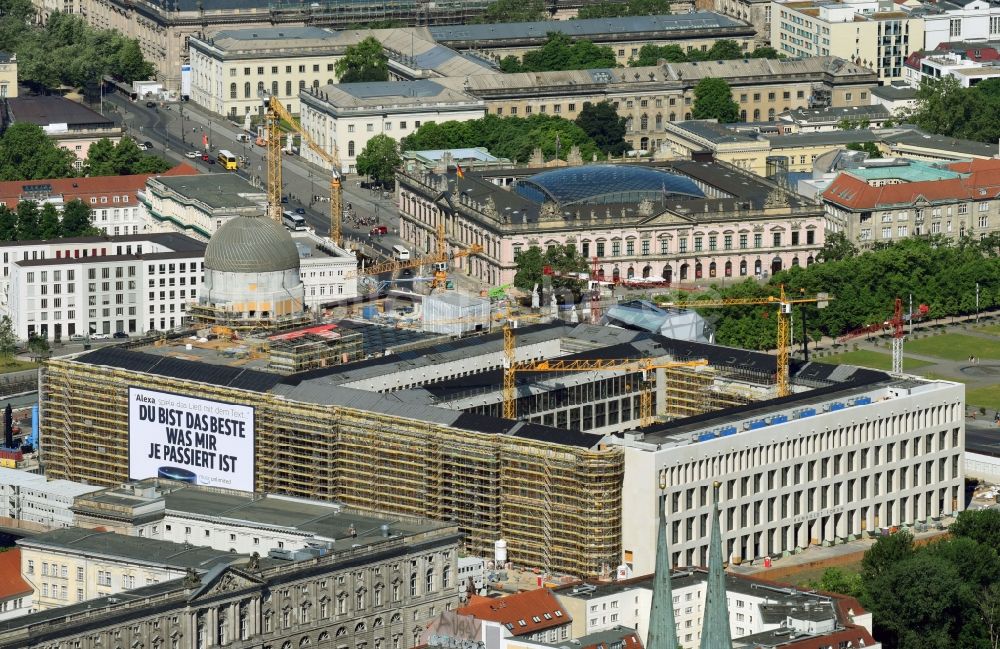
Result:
x=616 y=275
x=323 y=637
x=756 y=114
x=232 y=91
x=756 y=267
x=795 y=261
x=395 y=618
x=260 y=87
x=446 y=576
x=305 y=641
x=315 y=83
x=342 y=631
x=329 y=82
x=274 y=88
x=644 y=144
x=647 y=271
x=644 y=122
x=659 y=122
x=809 y=260
x=429 y=581
x=697 y=270
x=413 y=584
x=673 y=117
x=377 y=623
x=350 y=148
x=600 y=274
x=729 y=269
x=246 y=90
x=711 y=269
x=684 y=272
x=743 y=116
x=668 y=274
x=743 y=268
x=630 y=273
x=360 y=627
x=770 y=114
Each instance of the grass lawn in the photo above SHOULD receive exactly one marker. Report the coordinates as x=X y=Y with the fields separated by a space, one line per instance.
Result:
x=873 y=359
x=991 y=329
x=955 y=347
x=802 y=578
x=17 y=366
x=987 y=396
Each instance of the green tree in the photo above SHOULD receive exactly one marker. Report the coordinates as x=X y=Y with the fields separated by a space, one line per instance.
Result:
x=101 y=158
x=8 y=341
x=766 y=52
x=604 y=126
x=380 y=159
x=982 y=525
x=48 y=223
x=651 y=55
x=837 y=247
x=363 y=62
x=889 y=550
x=128 y=64
x=77 y=220
x=38 y=346
x=8 y=224
x=714 y=100
x=27 y=153
x=560 y=52
x=565 y=259
x=836 y=580
x=725 y=50
x=28 y=224
x=512 y=11
x=105 y=158
x=868 y=147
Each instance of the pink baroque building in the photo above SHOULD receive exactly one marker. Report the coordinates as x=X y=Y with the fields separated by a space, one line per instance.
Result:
x=676 y=222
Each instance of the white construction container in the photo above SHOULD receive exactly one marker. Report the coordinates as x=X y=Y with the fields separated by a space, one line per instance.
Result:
x=455 y=314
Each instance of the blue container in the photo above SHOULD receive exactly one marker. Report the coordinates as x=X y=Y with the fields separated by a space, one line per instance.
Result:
x=779 y=419
x=808 y=412
x=727 y=431
x=369 y=312
x=760 y=423
x=836 y=405
x=862 y=401
x=704 y=437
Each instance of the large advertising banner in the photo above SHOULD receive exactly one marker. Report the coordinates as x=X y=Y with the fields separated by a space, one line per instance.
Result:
x=195 y=440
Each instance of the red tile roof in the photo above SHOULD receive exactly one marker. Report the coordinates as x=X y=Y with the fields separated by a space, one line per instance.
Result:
x=522 y=613
x=982 y=180
x=12 y=191
x=11 y=584
x=628 y=638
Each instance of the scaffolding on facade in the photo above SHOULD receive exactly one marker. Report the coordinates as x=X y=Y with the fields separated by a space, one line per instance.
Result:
x=312 y=351
x=208 y=315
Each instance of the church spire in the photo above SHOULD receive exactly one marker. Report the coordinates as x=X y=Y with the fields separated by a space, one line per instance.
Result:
x=715 y=632
x=662 y=628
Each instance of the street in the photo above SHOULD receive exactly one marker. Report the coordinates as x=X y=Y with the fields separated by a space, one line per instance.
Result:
x=174 y=129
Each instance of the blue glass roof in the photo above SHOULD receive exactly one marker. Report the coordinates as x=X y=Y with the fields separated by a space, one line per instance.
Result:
x=605 y=183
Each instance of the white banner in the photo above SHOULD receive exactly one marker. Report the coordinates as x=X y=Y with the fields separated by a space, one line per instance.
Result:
x=194 y=440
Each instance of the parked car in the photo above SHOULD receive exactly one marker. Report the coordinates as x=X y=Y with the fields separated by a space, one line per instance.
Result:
x=100 y=336
x=284 y=199
x=300 y=210
x=205 y=157
x=148 y=145
x=76 y=338
x=192 y=154
x=211 y=161
x=120 y=334
x=150 y=104
x=379 y=230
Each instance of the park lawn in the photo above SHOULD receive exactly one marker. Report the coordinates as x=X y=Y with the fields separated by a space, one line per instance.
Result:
x=873 y=359
x=955 y=347
x=17 y=366
x=987 y=396
x=803 y=578
x=991 y=329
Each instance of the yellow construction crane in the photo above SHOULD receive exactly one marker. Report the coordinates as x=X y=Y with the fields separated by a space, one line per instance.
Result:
x=784 y=304
x=275 y=112
x=644 y=365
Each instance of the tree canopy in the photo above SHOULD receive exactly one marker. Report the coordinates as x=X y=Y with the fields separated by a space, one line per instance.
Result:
x=512 y=11
x=380 y=158
x=507 y=137
x=560 y=52
x=27 y=153
x=721 y=50
x=714 y=100
x=8 y=341
x=609 y=9
x=30 y=221
x=66 y=51
x=944 y=107
x=364 y=61
x=604 y=126
x=566 y=259
x=939 y=272
x=105 y=158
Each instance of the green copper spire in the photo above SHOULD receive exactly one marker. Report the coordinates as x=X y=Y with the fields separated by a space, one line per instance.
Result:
x=662 y=628
x=715 y=628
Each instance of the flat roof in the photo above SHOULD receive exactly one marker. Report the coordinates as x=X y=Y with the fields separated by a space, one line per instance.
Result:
x=46 y=110
x=388 y=94
x=130 y=548
x=592 y=27
x=917 y=138
x=215 y=190
x=171 y=240
x=714 y=132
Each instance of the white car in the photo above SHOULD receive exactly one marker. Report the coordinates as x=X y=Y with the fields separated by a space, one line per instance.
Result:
x=192 y=154
x=99 y=336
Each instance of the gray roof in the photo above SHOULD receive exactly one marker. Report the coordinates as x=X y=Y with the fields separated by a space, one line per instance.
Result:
x=50 y=109
x=131 y=548
x=593 y=27
x=713 y=131
x=894 y=92
x=918 y=138
x=268 y=36
x=837 y=137
x=173 y=240
x=837 y=113
x=251 y=244
x=219 y=190
x=388 y=94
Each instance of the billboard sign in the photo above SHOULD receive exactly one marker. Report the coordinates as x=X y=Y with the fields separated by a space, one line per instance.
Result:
x=195 y=440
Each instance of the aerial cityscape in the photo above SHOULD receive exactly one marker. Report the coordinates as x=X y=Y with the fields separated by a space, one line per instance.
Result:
x=499 y=324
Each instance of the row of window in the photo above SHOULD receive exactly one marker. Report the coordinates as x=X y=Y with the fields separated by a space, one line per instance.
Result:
x=777 y=241
x=274 y=69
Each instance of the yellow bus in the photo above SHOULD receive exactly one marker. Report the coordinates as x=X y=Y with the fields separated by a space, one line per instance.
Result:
x=228 y=160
